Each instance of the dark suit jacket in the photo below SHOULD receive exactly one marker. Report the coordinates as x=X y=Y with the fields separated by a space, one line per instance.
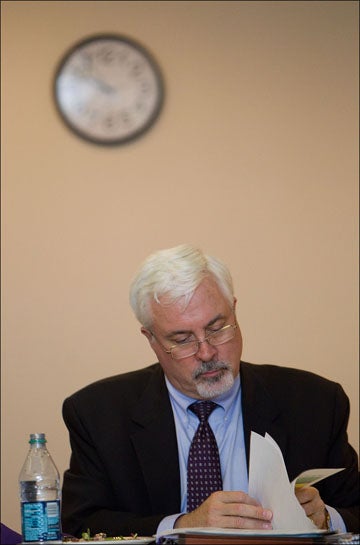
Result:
x=124 y=470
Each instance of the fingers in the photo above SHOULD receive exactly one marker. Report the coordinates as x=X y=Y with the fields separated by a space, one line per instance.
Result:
x=228 y=510
x=313 y=505
x=246 y=508
x=239 y=510
x=235 y=497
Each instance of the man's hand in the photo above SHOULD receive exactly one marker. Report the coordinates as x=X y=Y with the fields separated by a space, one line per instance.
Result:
x=228 y=510
x=313 y=505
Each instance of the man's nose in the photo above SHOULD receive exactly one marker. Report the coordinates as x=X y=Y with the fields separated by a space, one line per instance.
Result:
x=206 y=351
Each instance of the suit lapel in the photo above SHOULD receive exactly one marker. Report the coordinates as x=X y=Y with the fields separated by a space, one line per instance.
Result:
x=154 y=438
x=261 y=412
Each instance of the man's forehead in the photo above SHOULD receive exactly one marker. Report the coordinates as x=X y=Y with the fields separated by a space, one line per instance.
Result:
x=190 y=328
x=171 y=321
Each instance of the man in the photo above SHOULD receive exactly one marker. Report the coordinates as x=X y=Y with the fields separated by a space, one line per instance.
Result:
x=131 y=434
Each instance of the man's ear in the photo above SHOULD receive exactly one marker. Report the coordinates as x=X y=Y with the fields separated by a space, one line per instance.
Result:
x=147 y=334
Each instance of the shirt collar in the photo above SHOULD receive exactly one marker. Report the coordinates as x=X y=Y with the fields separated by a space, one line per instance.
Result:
x=224 y=400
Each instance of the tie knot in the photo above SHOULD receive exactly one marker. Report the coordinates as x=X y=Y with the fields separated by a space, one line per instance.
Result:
x=203 y=409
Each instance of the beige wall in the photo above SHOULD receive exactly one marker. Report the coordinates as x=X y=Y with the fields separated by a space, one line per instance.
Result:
x=254 y=158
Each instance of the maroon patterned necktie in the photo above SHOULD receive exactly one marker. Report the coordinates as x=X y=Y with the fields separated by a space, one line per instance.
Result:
x=203 y=471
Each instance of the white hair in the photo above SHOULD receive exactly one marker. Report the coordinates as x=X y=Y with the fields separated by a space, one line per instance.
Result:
x=175 y=273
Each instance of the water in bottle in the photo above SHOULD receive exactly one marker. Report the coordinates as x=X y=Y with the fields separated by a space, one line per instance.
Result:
x=39 y=483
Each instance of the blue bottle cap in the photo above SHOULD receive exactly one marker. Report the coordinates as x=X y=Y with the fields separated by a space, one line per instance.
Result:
x=37 y=438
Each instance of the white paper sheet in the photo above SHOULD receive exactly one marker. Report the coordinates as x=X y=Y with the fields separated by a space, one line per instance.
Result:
x=269 y=484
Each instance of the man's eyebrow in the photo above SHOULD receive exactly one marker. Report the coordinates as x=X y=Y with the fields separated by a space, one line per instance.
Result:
x=214 y=320
x=184 y=331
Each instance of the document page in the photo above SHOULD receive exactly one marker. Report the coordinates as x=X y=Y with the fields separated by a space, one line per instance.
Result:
x=270 y=485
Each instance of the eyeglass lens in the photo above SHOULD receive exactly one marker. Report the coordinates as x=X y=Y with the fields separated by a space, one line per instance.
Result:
x=218 y=337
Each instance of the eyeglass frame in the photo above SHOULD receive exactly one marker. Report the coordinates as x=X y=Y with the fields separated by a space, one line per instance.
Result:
x=206 y=339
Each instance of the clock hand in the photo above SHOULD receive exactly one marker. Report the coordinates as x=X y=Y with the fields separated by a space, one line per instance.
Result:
x=105 y=87
x=101 y=85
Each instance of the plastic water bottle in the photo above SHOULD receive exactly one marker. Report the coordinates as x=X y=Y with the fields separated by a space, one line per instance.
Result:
x=40 y=492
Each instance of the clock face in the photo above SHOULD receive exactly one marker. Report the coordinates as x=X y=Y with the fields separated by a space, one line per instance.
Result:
x=108 y=89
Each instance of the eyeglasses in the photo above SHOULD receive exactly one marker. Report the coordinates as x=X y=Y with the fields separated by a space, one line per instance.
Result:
x=187 y=349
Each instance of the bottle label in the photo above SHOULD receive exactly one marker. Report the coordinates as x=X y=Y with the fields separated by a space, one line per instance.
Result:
x=40 y=521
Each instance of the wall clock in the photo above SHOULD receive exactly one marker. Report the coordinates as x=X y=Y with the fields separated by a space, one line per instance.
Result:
x=108 y=89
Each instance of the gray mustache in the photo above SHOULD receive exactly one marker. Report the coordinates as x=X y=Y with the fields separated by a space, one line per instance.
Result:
x=207 y=366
